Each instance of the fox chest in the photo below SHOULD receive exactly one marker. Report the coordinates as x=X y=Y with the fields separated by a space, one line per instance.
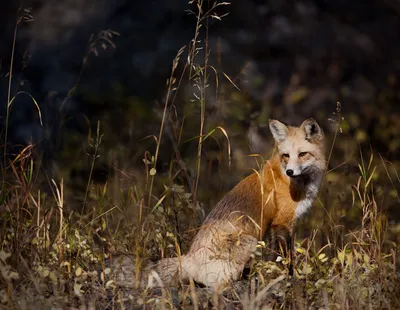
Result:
x=291 y=206
x=305 y=204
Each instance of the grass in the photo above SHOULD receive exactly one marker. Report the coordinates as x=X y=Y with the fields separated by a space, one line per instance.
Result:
x=55 y=257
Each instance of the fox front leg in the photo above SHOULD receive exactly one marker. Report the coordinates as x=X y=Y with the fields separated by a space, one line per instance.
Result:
x=283 y=243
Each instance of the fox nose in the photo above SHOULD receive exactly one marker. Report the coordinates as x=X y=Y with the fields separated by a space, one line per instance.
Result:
x=289 y=172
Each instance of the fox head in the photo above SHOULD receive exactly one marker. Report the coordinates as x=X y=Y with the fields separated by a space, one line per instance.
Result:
x=301 y=149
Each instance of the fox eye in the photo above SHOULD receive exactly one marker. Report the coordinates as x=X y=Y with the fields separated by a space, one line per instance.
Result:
x=301 y=154
x=285 y=155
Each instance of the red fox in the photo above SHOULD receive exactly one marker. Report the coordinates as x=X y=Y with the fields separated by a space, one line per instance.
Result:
x=267 y=201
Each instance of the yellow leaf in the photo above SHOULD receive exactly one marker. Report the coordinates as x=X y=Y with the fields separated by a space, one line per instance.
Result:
x=77 y=289
x=109 y=283
x=341 y=256
x=78 y=271
x=153 y=171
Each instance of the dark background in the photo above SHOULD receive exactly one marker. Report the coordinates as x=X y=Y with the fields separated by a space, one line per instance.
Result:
x=291 y=60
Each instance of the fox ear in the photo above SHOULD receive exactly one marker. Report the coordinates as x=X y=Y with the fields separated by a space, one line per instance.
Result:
x=279 y=130
x=312 y=130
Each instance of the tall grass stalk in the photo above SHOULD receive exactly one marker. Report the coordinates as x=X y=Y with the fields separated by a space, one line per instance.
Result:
x=95 y=155
x=171 y=83
x=25 y=17
x=199 y=74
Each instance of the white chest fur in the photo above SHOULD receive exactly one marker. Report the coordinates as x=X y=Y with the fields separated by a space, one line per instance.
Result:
x=311 y=192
